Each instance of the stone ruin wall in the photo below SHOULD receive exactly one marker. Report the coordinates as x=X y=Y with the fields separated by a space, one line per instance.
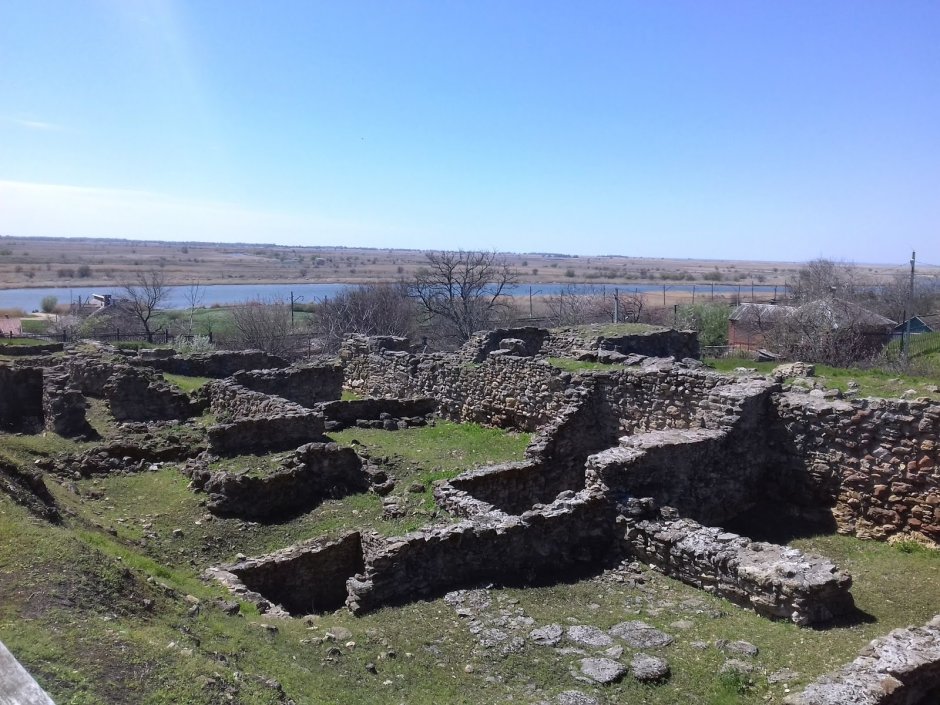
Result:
x=901 y=668
x=574 y=531
x=875 y=461
x=571 y=342
x=306 y=385
x=389 y=414
x=140 y=395
x=251 y=421
x=217 y=364
x=775 y=581
x=21 y=398
x=314 y=472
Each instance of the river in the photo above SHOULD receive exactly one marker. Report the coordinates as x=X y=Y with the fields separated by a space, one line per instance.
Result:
x=221 y=294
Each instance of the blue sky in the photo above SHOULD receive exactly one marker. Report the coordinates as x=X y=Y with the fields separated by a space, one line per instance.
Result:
x=766 y=130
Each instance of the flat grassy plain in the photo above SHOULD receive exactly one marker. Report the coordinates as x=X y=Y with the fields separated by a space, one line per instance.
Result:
x=35 y=262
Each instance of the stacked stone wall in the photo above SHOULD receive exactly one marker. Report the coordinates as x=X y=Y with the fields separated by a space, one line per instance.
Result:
x=876 y=463
x=90 y=375
x=306 y=385
x=21 y=398
x=775 y=581
x=902 y=668
x=304 y=579
x=481 y=344
x=572 y=342
x=389 y=414
x=217 y=364
x=253 y=422
x=30 y=350
x=139 y=395
x=64 y=406
x=315 y=472
x=550 y=543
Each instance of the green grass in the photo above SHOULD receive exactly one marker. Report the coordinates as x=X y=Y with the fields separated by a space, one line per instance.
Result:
x=186 y=383
x=569 y=365
x=349 y=395
x=870 y=382
x=36 y=326
x=21 y=341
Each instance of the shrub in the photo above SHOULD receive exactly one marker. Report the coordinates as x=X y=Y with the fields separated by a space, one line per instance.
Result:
x=48 y=303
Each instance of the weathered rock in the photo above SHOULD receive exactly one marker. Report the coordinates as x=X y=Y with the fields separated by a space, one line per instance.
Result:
x=589 y=636
x=640 y=635
x=649 y=669
x=602 y=670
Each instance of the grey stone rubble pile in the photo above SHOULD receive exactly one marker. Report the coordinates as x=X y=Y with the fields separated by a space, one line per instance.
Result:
x=314 y=472
x=387 y=414
x=143 y=453
x=575 y=342
x=902 y=668
x=64 y=406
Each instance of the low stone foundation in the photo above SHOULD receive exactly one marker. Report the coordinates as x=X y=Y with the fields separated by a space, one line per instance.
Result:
x=902 y=668
x=217 y=364
x=253 y=422
x=304 y=579
x=139 y=395
x=29 y=350
x=774 y=581
x=306 y=385
x=572 y=533
x=315 y=472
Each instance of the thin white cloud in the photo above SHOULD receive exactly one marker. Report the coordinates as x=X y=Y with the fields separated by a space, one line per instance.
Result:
x=35 y=209
x=34 y=124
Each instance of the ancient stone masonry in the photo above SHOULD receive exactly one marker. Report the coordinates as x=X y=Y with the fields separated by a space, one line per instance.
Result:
x=139 y=395
x=315 y=472
x=876 y=462
x=253 y=422
x=217 y=364
x=21 y=397
x=775 y=581
x=64 y=406
x=306 y=385
x=557 y=539
x=523 y=342
x=89 y=374
x=304 y=579
x=555 y=462
x=29 y=350
x=902 y=668
x=390 y=414
x=576 y=343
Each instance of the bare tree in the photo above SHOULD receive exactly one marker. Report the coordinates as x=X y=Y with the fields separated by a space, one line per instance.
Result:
x=263 y=325
x=371 y=309
x=823 y=278
x=144 y=295
x=194 y=294
x=463 y=290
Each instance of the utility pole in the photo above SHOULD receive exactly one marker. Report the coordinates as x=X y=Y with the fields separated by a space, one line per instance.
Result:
x=910 y=310
x=616 y=305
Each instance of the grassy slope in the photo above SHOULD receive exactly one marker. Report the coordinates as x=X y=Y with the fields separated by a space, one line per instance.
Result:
x=77 y=604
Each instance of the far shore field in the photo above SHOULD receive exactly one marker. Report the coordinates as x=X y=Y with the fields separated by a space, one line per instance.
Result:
x=86 y=262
